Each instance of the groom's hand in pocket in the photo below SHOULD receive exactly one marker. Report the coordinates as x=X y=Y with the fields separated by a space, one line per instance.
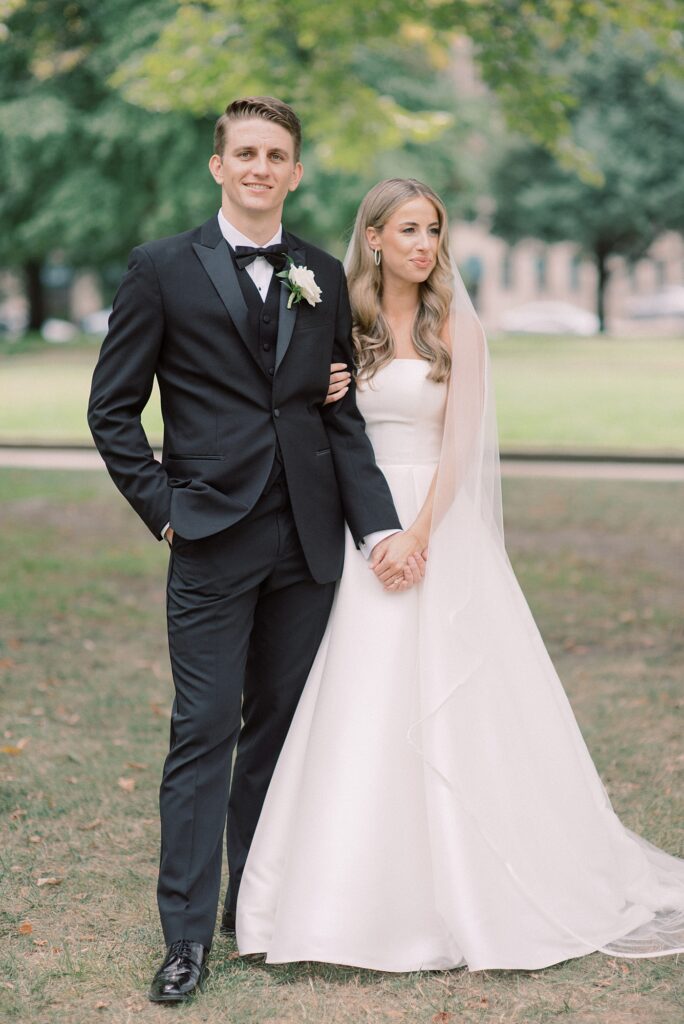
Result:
x=168 y=536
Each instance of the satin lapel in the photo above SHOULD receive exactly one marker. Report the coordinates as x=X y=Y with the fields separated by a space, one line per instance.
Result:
x=286 y=317
x=219 y=266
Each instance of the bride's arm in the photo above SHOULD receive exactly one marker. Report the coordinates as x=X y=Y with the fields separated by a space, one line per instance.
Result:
x=415 y=539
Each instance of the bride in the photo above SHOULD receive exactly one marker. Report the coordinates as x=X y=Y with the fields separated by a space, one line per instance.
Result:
x=434 y=804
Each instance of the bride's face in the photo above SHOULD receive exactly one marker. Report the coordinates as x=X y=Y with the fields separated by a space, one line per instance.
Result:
x=409 y=241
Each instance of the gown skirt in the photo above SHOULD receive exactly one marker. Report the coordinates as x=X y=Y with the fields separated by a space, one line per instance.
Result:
x=365 y=856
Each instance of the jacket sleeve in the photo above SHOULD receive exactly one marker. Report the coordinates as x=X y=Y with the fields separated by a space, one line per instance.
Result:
x=121 y=387
x=366 y=498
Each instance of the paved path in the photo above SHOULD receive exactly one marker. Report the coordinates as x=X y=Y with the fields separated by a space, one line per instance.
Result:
x=75 y=458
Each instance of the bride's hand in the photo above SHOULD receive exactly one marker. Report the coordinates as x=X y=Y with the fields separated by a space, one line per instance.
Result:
x=389 y=560
x=339 y=382
x=413 y=573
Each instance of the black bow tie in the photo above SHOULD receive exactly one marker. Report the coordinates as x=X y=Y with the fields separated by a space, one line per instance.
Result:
x=275 y=254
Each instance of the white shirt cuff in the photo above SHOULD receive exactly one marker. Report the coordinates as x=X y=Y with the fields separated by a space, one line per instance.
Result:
x=163 y=533
x=368 y=543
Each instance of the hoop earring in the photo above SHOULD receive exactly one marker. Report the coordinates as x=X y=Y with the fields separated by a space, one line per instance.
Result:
x=377 y=256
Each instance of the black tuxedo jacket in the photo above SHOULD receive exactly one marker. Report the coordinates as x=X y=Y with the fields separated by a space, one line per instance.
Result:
x=180 y=315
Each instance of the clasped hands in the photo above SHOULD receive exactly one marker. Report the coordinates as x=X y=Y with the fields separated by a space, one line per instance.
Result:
x=399 y=561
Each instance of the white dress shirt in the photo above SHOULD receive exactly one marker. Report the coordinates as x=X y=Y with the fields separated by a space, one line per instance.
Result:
x=261 y=272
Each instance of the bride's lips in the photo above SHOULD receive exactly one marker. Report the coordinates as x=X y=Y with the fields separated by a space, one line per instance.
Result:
x=421 y=264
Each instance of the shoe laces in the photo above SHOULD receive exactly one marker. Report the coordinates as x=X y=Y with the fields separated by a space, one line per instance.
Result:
x=182 y=948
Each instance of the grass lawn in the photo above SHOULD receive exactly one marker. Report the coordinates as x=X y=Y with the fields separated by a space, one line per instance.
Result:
x=596 y=394
x=86 y=695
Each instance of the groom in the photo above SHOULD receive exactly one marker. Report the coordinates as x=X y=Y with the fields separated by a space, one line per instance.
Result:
x=255 y=482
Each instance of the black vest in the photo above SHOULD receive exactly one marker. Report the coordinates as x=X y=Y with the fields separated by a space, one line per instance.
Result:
x=263 y=320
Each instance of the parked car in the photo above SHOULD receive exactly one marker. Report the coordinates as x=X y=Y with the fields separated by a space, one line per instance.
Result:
x=58 y=331
x=96 y=323
x=669 y=302
x=549 y=318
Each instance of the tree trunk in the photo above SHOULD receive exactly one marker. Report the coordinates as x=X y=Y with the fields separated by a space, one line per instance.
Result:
x=34 y=295
x=602 y=275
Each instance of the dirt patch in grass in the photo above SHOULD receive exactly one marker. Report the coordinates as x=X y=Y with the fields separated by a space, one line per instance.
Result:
x=86 y=691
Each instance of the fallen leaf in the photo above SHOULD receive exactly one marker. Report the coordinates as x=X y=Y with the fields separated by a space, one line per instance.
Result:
x=18 y=813
x=14 y=642
x=25 y=928
x=95 y=823
x=7 y=663
x=48 y=880
x=137 y=765
x=9 y=985
x=72 y=780
x=157 y=709
x=442 y=1018
x=100 y=1005
x=15 y=748
x=128 y=785
x=35 y=839
x=40 y=942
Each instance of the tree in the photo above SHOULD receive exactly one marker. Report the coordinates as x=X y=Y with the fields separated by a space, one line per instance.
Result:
x=306 y=52
x=628 y=119
x=82 y=171
x=88 y=174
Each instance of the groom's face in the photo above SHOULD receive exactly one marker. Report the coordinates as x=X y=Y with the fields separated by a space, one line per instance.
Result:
x=258 y=167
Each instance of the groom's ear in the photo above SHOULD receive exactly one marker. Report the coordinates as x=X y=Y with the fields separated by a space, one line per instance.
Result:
x=297 y=173
x=216 y=168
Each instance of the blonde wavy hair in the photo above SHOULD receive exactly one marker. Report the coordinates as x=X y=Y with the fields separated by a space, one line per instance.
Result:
x=373 y=340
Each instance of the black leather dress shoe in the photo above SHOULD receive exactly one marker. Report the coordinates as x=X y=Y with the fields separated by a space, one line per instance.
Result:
x=181 y=974
x=228 y=922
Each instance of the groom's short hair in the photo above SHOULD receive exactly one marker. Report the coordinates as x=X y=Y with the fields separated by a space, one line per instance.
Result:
x=267 y=107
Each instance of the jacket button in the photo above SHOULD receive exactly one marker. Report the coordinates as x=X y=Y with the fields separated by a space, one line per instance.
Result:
x=276 y=413
x=271 y=371
x=266 y=318
x=266 y=347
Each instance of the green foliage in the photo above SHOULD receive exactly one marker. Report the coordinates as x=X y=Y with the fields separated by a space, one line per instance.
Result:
x=83 y=171
x=627 y=118
x=106 y=110
x=307 y=54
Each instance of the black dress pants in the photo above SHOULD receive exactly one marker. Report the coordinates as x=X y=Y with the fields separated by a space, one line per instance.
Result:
x=245 y=619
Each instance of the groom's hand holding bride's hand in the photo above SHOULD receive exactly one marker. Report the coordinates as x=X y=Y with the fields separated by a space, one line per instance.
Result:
x=399 y=560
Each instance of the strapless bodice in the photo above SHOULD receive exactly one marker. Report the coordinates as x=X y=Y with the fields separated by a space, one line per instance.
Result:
x=404 y=412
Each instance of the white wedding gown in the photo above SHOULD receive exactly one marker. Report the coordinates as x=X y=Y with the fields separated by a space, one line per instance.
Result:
x=365 y=856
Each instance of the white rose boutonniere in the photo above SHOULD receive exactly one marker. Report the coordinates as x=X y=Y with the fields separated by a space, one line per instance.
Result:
x=302 y=284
